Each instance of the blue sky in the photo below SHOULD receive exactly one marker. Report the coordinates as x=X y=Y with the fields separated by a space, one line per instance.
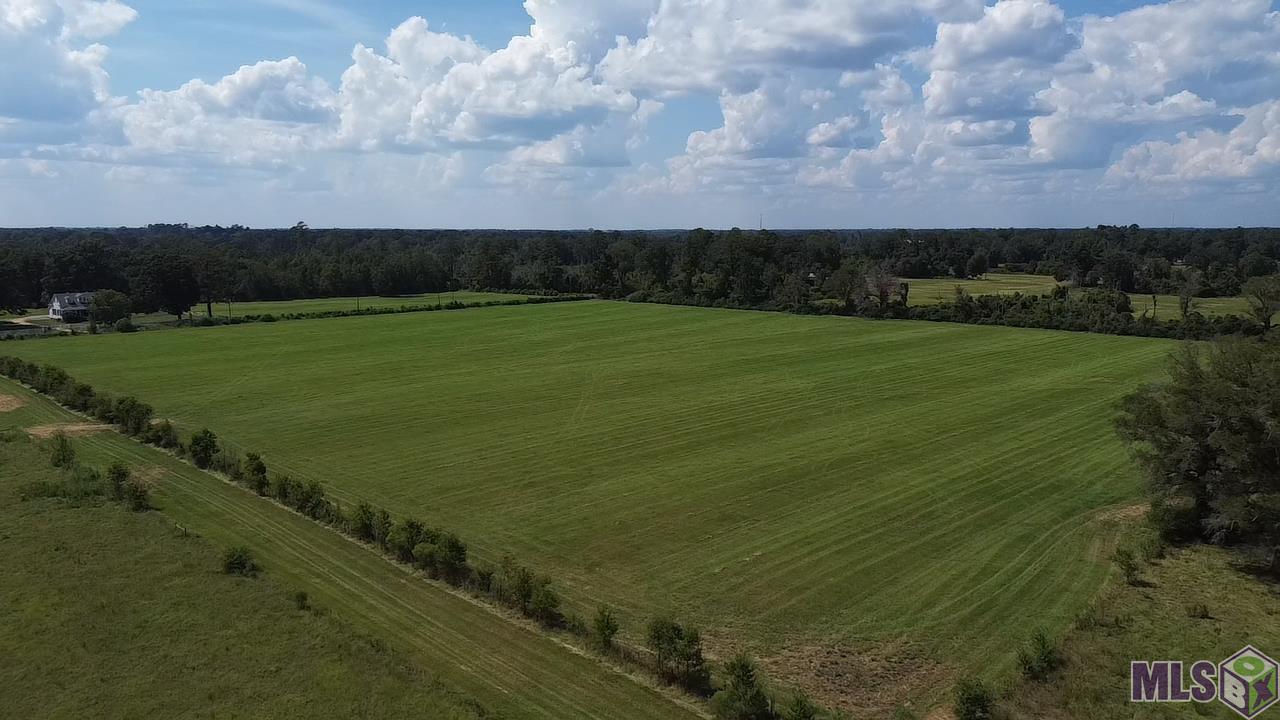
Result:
x=639 y=113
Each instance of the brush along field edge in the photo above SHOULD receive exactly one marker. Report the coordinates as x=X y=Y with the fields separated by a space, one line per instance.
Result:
x=506 y=665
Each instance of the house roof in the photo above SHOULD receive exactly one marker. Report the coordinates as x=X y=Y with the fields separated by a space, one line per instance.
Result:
x=72 y=300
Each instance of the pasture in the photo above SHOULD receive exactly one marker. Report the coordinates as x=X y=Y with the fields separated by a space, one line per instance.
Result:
x=244 y=650
x=817 y=490
x=929 y=291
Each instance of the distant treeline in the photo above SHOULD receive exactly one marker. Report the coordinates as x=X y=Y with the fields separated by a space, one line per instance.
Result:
x=173 y=267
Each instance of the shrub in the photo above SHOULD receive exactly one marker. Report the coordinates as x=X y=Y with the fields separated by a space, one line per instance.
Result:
x=1128 y=564
x=117 y=476
x=203 y=446
x=1199 y=611
x=742 y=697
x=137 y=496
x=161 y=435
x=125 y=325
x=62 y=454
x=301 y=600
x=605 y=627
x=800 y=708
x=239 y=561
x=974 y=700
x=1040 y=659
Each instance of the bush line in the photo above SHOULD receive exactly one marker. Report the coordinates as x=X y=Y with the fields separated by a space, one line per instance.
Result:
x=1107 y=312
x=676 y=652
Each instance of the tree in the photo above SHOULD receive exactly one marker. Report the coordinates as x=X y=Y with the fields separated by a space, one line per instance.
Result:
x=848 y=284
x=109 y=307
x=678 y=654
x=979 y=263
x=165 y=281
x=1263 y=294
x=1189 y=286
x=605 y=626
x=255 y=472
x=881 y=284
x=203 y=446
x=1206 y=440
x=742 y=697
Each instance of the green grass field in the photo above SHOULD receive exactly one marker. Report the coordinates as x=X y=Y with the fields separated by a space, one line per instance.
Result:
x=1166 y=306
x=350 y=303
x=935 y=290
x=487 y=662
x=817 y=490
x=108 y=613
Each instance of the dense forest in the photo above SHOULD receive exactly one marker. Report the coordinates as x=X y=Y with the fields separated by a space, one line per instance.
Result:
x=173 y=267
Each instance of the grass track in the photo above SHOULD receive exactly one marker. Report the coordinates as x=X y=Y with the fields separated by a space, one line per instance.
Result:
x=780 y=480
x=510 y=669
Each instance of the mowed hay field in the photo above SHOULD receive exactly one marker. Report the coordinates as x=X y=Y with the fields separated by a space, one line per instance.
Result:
x=808 y=488
x=930 y=291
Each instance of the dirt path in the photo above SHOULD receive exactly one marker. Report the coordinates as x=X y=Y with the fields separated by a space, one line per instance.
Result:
x=70 y=429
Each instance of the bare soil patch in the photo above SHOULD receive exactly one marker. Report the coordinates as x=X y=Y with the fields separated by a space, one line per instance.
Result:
x=868 y=680
x=1127 y=513
x=9 y=403
x=69 y=429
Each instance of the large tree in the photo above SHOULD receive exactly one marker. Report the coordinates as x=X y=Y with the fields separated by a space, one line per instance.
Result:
x=1263 y=294
x=1209 y=442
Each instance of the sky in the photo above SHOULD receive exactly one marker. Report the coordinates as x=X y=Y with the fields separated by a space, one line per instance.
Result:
x=620 y=114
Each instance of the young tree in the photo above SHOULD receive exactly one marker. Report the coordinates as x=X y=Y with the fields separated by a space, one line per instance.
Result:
x=742 y=697
x=800 y=708
x=1190 y=283
x=1263 y=294
x=203 y=446
x=605 y=626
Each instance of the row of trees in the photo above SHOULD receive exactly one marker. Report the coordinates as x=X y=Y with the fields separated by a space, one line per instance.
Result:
x=172 y=268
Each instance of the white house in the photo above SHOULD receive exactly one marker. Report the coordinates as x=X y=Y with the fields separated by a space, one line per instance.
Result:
x=70 y=307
